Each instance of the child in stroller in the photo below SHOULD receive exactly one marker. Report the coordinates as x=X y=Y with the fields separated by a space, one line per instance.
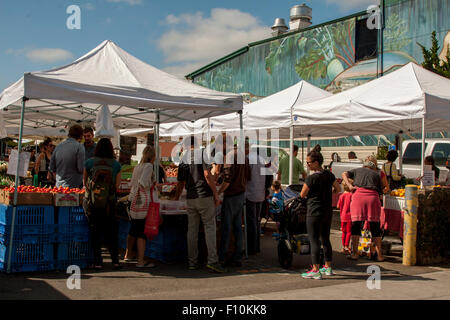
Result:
x=276 y=202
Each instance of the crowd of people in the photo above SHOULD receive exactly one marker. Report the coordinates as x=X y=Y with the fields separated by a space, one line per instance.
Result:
x=218 y=192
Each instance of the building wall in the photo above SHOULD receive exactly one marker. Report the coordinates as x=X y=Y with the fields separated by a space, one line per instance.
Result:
x=325 y=57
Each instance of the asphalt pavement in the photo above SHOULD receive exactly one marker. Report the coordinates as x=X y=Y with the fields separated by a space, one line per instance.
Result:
x=260 y=277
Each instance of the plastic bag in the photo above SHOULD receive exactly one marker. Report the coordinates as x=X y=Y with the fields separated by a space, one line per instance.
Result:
x=104 y=124
x=153 y=219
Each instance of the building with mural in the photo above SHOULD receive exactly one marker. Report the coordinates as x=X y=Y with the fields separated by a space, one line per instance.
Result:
x=335 y=56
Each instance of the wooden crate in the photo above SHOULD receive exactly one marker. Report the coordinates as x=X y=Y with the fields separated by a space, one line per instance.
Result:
x=66 y=199
x=27 y=198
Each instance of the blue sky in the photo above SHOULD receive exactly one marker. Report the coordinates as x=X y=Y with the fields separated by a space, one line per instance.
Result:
x=176 y=36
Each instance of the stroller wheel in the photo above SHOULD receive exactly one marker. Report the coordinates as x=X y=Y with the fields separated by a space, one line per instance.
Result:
x=284 y=254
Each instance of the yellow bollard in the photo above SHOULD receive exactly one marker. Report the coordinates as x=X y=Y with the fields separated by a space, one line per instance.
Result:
x=410 y=225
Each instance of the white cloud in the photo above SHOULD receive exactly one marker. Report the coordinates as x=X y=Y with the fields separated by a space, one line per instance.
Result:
x=130 y=2
x=193 y=40
x=353 y=4
x=42 y=54
x=183 y=69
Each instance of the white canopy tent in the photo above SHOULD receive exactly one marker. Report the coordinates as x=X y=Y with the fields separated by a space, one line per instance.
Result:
x=410 y=99
x=136 y=93
x=272 y=112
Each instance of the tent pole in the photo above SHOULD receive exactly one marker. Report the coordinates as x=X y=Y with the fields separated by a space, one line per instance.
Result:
x=16 y=183
x=156 y=143
x=291 y=153
x=423 y=148
x=308 y=149
x=241 y=126
x=400 y=152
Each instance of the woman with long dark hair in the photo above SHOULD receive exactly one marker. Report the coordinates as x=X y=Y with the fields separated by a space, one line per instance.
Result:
x=101 y=179
x=43 y=162
x=318 y=190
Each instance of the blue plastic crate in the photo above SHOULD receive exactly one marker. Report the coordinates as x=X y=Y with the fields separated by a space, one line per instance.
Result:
x=169 y=246
x=124 y=228
x=40 y=234
x=27 y=257
x=72 y=225
x=27 y=215
x=71 y=216
x=46 y=237
x=65 y=237
x=78 y=253
x=75 y=251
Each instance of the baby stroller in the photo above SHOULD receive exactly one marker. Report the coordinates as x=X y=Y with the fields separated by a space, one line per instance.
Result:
x=293 y=236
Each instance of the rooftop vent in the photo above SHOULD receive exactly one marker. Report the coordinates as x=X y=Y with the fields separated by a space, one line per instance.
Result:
x=300 y=17
x=279 y=27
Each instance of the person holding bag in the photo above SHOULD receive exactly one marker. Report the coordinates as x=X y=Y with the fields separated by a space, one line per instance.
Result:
x=390 y=169
x=101 y=178
x=141 y=195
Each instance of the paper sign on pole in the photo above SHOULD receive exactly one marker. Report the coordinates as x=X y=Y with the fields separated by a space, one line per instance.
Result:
x=24 y=162
x=428 y=176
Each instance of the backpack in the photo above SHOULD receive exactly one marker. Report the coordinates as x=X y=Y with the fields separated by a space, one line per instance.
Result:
x=100 y=189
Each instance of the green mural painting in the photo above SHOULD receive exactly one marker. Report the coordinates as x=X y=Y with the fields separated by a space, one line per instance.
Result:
x=325 y=55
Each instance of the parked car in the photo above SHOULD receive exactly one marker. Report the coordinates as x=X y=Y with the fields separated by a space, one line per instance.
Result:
x=412 y=150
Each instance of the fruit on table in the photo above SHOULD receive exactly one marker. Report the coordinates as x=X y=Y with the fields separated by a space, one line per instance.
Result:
x=171 y=172
x=32 y=189
x=398 y=193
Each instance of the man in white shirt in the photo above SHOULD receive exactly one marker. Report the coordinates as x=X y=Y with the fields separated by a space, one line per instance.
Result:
x=255 y=196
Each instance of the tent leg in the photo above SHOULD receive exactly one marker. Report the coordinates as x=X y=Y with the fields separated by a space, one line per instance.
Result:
x=400 y=152
x=423 y=148
x=16 y=184
x=241 y=126
x=156 y=143
x=291 y=154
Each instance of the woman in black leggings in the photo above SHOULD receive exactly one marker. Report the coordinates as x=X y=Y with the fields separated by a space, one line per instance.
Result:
x=318 y=190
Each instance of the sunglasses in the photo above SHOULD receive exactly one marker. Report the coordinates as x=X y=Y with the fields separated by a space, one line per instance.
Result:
x=309 y=162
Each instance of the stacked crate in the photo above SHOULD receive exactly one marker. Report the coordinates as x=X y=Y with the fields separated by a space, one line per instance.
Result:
x=33 y=240
x=73 y=245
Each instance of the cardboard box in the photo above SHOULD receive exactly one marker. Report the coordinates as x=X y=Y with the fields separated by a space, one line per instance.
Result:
x=66 y=199
x=27 y=198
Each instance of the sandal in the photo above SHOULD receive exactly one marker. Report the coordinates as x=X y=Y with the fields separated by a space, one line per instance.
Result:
x=128 y=260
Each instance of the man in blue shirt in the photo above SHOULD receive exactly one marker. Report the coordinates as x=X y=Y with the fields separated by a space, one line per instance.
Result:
x=89 y=144
x=67 y=162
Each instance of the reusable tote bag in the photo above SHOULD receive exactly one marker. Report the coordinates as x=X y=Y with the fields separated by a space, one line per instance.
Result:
x=139 y=204
x=153 y=219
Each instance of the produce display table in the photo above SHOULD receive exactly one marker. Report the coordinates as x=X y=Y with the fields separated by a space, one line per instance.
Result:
x=392 y=220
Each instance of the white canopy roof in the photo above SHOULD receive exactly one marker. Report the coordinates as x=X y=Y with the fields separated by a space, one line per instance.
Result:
x=394 y=102
x=109 y=75
x=272 y=112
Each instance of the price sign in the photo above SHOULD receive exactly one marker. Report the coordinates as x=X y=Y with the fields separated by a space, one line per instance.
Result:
x=428 y=177
x=128 y=144
x=24 y=163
